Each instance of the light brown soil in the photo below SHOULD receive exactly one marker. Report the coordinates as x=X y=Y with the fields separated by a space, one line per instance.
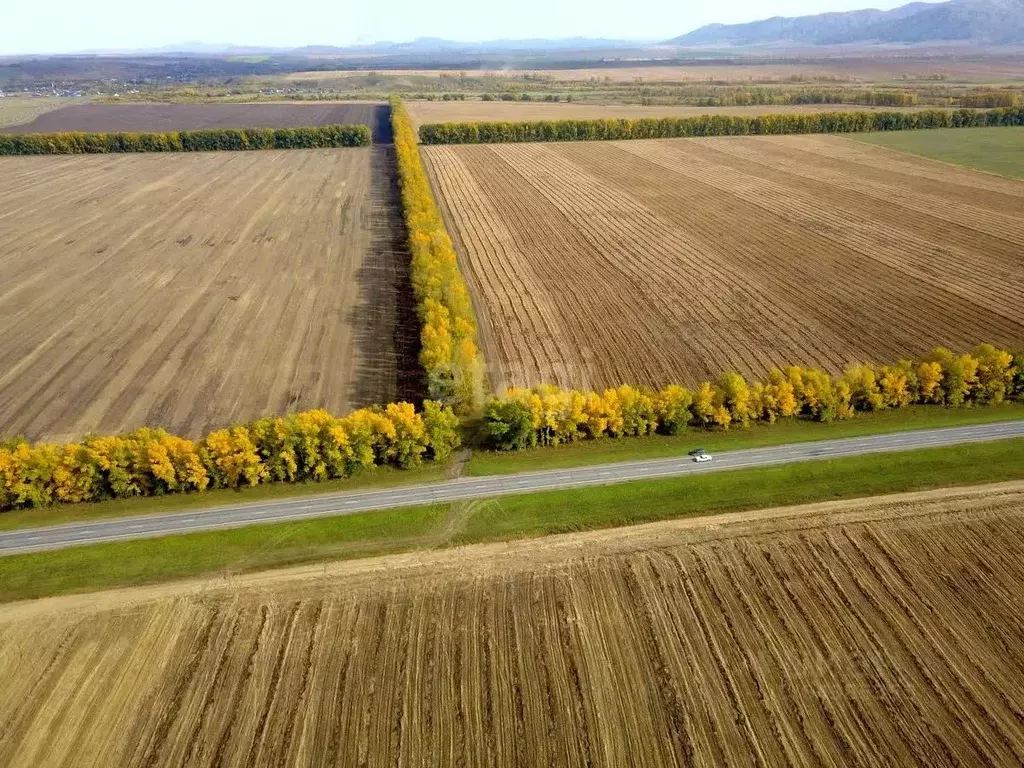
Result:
x=108 y=118
x=871 y=632
x=193 y=291
x=482 y=111
x=650 y=262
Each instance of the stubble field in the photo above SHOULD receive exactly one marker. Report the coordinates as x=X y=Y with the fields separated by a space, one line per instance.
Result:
x=191 y=291
x=871 y=632
x=651 y=262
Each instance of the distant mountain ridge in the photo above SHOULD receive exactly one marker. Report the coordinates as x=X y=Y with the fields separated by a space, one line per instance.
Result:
x=989 y=21
x=419 y=45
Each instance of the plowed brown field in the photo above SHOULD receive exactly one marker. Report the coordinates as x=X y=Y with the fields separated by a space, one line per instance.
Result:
x=180 y=117
x=594 y=264
x=875 y=632
x=191 y=291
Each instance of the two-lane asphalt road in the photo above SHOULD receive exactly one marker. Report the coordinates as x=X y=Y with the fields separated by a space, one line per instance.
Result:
x=74 y=534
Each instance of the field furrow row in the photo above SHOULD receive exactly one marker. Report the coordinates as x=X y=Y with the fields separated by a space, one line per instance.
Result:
x=653 y=262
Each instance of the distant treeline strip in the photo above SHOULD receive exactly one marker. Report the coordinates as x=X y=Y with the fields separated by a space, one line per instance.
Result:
x=450 y=354
x=206 y=140
x=714 y=125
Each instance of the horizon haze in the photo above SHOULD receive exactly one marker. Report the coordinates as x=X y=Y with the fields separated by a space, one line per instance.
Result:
x=258 y=24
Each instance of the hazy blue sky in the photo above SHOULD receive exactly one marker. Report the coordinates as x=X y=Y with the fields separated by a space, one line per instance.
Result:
x=71 y=25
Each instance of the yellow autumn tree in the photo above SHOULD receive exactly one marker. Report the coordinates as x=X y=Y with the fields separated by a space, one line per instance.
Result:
x=275 y=441
x=862 y=381
x=895 y=384
x=26 y=473
x=817 y=395
x=958 y=379
x=929 y=376
x=320 y=444
x=231 y=458
x=122 y=463
x=76 y=478
x=773 y=398
x=442 y=426
x=703 y=406
x=596 y=415
x=735 y=397
x=409 y=440
x=995 y=373
x=637 y=411
x=450 y=354
x=672 y=409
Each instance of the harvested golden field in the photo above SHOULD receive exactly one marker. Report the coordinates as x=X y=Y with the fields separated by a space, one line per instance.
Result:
x=651 y=262
x=482 y=111
x=873 y=632
x=192 y=291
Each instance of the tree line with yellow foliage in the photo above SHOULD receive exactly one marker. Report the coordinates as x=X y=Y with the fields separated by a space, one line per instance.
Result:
x=548 y=415
x=449 y=352
x=309 y=446
x=714 y=125
x=202 y=140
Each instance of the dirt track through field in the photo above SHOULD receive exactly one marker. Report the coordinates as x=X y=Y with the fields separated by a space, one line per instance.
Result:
x=650 y=262
x=869 y=632
x=179 y=117
x=193 y=291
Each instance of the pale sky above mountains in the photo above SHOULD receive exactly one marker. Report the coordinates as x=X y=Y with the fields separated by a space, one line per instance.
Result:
x=70 y=25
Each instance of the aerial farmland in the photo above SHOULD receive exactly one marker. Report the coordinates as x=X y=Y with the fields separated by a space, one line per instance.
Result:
x=317 y=451
x=689 y=257
x=194 y=291
x=864 y=632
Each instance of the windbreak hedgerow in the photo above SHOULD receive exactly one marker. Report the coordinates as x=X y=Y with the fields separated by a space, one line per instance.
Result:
x=450 y=354
x=205 y=140
x=548 y=415
x=714 y=125
x=304 y=447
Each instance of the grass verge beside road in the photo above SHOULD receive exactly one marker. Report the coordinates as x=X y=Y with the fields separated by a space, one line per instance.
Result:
x=758 y=435
x=221 y=553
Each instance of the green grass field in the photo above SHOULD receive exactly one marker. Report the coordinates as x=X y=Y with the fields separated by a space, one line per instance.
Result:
x=996 y=150
x=218 y=554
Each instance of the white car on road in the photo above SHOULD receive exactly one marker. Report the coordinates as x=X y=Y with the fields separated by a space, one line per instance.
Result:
x=700 y=455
